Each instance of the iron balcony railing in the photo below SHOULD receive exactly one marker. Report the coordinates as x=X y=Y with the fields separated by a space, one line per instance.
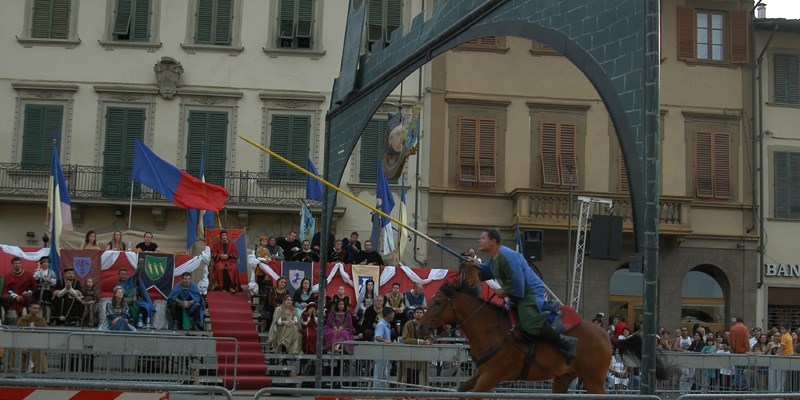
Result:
x=26 y=182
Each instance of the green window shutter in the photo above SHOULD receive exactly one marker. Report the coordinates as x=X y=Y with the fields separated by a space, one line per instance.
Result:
x=208 y=130
x=786 y=78
x=305 y=18
x=223 y=22
x=286 y=19
x=42 y=124
x=205 y=22
x=289 y=137
x=122 y=17
x=374 y=20
x=50 y=19
x=794 y=185
x=394 y=17
x=141 y=22
x=787 y=185
x=371 y=148
x=123 y=126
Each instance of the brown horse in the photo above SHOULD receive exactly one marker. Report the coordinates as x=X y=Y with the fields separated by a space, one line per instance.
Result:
x=502 y=357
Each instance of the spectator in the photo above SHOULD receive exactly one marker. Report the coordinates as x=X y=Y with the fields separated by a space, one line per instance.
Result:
x=117 y=313
x=414 y=372
x=682 y=343
x=352 y=245
x=415 y=298
x=598 y=320
x=90 y=241
x=68 y=299
x=755 y=334
x=139 y=305
x=739 y=344
x=664 y=342
x=708 y=375
x=366 y=297
x=263 y=255
x=284 y=334
x=758 y=378
x=116 y=242
x=45 y=282
x=787 y=346
x=148 y=245
x=371 y=318
x=338 y=328
x=185 y=305
x=303 y=295
x=616 y=327
x=396 y=300
x=275 y=251
x=725 y=374
x=91 y=297
x=472 y=256
x=340 y=295
x=308 y=321
x=625 y=334
x=274 y=300
x=368 y=256
x=226 y=272
x=776 y=377
x=338 y=253
x=31 y=360
x=383 y=334
x=18 y=290
x=316 y=243
x=618 y=374
x=306 y=254
x=290 y=245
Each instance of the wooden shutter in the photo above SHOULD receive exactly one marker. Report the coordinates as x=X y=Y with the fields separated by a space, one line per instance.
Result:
x=488 y=41
x=551 y=172
x=122 y=17
x=374 y=20
x=793 y=185
x=686 y=33
x=371 y=148
x=123 y=126
x=141 y=21
x=487 y=154
x=782 y=179
x=50 y=19
x=739 y=23
x=305 y=18
x=214 y=22
x=786 y=78
x=722 y=166
x=42 y=124
x=467 y=149
x=704 y=185
x=394 y=18
x=290 y=138
x=567 y=137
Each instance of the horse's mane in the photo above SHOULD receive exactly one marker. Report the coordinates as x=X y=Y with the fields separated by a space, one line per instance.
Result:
x=460 y=286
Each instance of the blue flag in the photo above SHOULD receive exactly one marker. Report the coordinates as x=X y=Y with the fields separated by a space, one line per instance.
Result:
x=384 y=192
x=307 y=223
x=60 y=211
x=313 y=186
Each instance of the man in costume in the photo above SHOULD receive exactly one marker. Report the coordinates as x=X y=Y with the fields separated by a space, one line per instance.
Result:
x=18 y=289
x=522 y=287
x=67 y=299
x=185 y=305
x=45 y=281
x=306 y=254
x=139 y=304
x=226 y=272
x=368 y=256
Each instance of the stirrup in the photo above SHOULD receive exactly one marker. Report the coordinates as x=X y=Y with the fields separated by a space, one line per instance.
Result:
x=568 y=345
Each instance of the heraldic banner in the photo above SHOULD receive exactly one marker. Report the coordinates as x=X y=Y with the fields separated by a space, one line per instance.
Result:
x=86 y=264
x=295 y=271
x=238 y=237
x=363 y=273
x=155 y=270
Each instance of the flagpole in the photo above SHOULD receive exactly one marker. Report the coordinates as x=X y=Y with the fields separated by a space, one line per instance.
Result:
x=353 y=197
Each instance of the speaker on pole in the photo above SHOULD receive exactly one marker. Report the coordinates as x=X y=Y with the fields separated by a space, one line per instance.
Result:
x=533 y=242
x=606 y=237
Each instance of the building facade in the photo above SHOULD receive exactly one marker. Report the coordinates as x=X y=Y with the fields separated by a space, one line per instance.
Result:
x=777 y=99
x=524 y=135
x=187 y=78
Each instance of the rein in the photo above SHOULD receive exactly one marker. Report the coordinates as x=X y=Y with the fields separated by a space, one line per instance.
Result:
x=463 y=322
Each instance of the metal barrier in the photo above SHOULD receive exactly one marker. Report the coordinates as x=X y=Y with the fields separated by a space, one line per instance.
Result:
x=162 y=357
x=389 y=394
x=129 y=386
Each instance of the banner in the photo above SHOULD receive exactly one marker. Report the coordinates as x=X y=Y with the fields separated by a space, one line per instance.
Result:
x=239 y=238
x=295 y=271
x=155 y=270
x=362 y=273
x=86 y=264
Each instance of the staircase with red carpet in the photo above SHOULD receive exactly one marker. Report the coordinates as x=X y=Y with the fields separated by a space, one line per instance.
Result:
x=231 y=317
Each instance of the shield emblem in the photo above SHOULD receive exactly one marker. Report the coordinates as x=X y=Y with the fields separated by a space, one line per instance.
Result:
x=155 y=266
x=296 y=277
x=82 y=265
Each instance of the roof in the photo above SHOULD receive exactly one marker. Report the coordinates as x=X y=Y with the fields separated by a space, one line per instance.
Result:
x=782 y=24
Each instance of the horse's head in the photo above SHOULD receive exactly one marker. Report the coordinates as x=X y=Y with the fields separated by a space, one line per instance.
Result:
x=442 y=307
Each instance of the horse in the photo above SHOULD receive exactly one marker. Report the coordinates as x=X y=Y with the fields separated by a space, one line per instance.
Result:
x=500 y=356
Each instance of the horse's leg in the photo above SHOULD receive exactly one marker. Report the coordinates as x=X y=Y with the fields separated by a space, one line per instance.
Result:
x=487 y=381
x=469 y=383
x=561 y=383
x=594 y=383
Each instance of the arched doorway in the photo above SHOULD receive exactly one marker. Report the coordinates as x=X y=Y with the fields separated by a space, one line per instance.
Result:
x=625 y=297
x=703 y=298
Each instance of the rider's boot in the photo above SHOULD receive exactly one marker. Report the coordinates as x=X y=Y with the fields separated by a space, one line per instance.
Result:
x=567 y=344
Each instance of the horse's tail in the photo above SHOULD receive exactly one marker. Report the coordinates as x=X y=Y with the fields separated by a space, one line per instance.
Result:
x=632 y=346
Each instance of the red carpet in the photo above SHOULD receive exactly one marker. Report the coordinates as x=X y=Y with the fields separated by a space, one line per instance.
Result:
x=231 y=317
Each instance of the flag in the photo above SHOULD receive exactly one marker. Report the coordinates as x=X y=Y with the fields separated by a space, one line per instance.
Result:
x=313 y=186
x=307 y=223
x=177 y=186
x=384 y=193
x=403 y=237
x=58 y=203
x=156 y=270
x=195 y=219
x=295 y=271
x=86 y=264
x=412 y=134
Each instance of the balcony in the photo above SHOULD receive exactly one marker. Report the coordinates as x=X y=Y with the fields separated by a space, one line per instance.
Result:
x=550 y=209
x=88 y=183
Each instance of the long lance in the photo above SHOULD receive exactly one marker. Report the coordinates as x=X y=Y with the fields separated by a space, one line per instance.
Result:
x=367 y=205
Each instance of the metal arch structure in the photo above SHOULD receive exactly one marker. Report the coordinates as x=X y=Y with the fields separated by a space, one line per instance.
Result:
x=613 y=42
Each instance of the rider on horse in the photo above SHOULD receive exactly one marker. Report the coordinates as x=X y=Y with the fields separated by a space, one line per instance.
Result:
x=523 y=288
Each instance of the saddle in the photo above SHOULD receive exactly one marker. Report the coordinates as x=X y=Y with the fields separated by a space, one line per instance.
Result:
x=561 y=318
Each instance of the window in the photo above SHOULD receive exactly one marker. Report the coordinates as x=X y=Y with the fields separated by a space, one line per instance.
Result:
x=787 y=77
x=383 y=17
x=123 y=126
x=488 y=41
x=42 y=124
x=207 y=142
x=289 y=137
x=712 y=155
x=215 y=26
x=50 y=22
x=476 y=151
x=295 y=24
x=132 y=21
x=558 y=153
x=713 y=35
x=373 y=141
x=787 y=185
